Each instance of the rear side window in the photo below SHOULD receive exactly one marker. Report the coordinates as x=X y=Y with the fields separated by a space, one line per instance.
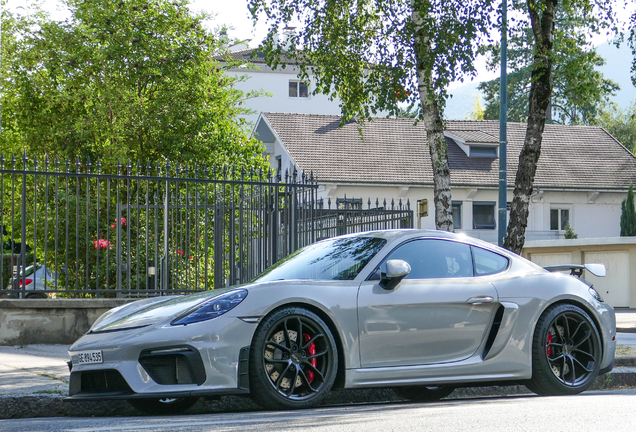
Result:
x=487 y=263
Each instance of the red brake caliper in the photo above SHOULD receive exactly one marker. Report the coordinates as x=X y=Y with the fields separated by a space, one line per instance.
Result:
x=549 y=342
x=311 y=350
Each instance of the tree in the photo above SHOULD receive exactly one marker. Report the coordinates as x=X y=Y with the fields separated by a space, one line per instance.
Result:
x=129 y=79
x=478 y=112
x=569 y=232
x=620 y=123
x=376 y=54
x=579 y=90
x=628 y=214
x=632 y=44
x=542 y=15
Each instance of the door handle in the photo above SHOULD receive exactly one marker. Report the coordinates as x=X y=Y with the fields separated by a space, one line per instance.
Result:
x=480 y=300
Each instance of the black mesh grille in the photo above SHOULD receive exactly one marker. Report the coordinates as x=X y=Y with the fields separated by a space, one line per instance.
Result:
x=168 y=369
x=103 y=381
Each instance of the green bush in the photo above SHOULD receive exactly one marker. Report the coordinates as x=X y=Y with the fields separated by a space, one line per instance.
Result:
x=628 y=214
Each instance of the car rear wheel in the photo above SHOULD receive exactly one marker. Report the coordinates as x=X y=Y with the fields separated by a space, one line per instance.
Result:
x=163 y=406
x=293 y=360
x=566 y=352
x=423 y=393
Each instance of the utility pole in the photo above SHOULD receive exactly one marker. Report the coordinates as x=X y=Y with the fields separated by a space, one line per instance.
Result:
x=503 y=124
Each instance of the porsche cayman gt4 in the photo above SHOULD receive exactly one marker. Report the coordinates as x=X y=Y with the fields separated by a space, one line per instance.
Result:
x=422 y=312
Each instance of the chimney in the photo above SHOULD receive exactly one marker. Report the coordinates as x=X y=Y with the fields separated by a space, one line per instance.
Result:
x=288 y=34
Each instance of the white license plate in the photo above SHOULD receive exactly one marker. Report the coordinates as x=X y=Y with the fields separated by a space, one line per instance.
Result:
x=90 y=357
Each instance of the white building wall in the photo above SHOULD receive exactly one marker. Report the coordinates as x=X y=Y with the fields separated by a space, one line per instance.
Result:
x=277 y=84
x=600 y=218
x=588 y=219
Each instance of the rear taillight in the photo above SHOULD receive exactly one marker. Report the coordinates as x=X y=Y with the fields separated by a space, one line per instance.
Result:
x=24 y=282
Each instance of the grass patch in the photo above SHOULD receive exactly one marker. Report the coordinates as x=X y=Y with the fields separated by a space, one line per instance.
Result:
x=60 y=392
x=625 y=351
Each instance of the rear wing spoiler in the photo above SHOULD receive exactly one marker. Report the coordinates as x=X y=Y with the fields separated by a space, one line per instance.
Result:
x=577 y=269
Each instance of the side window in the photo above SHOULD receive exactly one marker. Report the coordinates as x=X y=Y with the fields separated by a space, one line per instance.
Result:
x=487 y=263
x=434 y=259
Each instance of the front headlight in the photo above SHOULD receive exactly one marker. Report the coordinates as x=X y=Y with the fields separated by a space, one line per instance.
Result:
x=212 y=308
x=595 y=294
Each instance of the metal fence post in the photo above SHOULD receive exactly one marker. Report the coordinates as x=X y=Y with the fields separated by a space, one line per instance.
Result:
x=22 y=267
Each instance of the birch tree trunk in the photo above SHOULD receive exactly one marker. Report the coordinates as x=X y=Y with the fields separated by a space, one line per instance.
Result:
x=542 y=21
x=432 y=121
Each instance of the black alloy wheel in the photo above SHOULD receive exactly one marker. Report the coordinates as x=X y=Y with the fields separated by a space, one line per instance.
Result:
x=165 y=406
x=423 y=393
x=293 y=360
x=566 y=352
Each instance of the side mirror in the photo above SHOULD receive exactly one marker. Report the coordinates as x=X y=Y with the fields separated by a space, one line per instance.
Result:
x=392 y=273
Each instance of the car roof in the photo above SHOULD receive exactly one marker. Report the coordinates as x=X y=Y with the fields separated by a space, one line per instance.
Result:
x=405 y=234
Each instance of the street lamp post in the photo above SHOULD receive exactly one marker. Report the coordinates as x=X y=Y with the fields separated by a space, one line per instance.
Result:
x=503 y=123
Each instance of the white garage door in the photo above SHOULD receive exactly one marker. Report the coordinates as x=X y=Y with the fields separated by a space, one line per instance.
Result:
x=614 y=288
x=551 y=259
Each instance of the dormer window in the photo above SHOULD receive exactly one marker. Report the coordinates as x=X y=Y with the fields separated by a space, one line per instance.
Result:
x=298 y=89
x=475 y=143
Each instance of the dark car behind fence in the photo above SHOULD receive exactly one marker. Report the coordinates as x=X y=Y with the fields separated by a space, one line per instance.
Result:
x=145 y=230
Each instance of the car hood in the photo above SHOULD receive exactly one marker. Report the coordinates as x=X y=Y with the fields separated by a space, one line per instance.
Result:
x=148 y=311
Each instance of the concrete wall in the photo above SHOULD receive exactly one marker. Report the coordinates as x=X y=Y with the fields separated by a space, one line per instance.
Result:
x=618 y=254
x=50 y=321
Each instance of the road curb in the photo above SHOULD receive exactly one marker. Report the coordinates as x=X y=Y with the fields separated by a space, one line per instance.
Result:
x=626 y=329
x=53 y=405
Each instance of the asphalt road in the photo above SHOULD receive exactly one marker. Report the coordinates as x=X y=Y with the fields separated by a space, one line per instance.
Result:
x=592 y=411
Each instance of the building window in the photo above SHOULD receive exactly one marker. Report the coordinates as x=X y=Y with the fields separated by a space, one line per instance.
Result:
x=298 y=89
x=559 y=219
x=483 y=151
x=484 y=215
x=349 y=203
x=457 y=214
x=279 y=167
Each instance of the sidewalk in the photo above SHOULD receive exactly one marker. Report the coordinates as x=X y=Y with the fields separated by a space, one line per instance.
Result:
x=34 y=381
x=626 y=320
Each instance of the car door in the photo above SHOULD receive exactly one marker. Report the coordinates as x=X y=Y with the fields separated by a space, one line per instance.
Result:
x=439 y=313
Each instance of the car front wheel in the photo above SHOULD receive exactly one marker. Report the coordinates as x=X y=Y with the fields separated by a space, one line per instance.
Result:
x=566 y=352
x=293 y=360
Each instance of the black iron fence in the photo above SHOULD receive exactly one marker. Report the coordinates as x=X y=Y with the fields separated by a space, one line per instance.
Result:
x=69 y=228
x=350 y=216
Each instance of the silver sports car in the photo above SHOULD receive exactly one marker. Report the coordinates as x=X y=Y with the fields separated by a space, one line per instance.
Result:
x=422 y=312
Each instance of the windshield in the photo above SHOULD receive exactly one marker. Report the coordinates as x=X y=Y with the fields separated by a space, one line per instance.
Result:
x=334 y=259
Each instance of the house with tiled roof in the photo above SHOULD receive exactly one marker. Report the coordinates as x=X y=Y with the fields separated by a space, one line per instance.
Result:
x=582 y=176
x=286 y=92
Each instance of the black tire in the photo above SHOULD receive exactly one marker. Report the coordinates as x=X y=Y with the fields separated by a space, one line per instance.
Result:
x=37 y=296
x=163 y=406
x=285 y=374
x=566 y=352
x=423 y=393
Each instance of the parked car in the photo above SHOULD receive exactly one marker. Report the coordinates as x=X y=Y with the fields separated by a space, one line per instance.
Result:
x=422 y=312
x=34 y=279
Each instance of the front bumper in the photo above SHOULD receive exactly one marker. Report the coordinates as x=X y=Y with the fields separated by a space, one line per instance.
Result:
x=216 y=343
